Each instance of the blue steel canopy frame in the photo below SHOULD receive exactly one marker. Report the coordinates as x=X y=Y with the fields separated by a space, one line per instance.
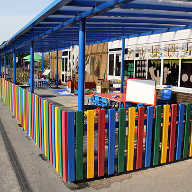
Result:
x=57 y=26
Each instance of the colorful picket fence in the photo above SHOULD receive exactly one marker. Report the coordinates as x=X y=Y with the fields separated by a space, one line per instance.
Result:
x=83 y=151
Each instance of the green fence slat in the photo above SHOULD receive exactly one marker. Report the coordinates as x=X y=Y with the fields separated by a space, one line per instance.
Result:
x=60 y=141
x=79 y=145
x=121 y=142
x=187 y=130
x=157 y=135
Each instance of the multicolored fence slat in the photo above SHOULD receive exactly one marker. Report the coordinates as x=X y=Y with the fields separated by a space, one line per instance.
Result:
x=172 y=132
x=121 y=141
x=131 y=139
x=102 y=146
x=79 y=144
x=101 y=142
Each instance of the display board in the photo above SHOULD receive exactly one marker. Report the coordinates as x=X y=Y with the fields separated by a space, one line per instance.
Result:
x=46 y=72
x=141 y=91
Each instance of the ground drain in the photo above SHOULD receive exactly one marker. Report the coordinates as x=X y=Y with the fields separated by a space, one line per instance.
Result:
x=43 y=157
x=20 y=174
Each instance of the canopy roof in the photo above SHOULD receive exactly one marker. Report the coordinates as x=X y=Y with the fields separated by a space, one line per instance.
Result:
x=57 y=27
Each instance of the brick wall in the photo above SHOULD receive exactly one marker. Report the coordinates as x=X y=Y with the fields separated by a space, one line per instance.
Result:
x=53 y=63
x=178 y=97
x=99 y=53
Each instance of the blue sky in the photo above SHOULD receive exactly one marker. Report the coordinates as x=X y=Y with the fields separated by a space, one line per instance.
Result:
x=15 y=14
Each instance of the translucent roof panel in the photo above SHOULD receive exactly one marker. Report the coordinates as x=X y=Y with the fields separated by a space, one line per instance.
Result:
x=57 y=27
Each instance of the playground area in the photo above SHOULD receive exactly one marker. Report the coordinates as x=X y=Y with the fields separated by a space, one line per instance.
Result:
x=100 y=142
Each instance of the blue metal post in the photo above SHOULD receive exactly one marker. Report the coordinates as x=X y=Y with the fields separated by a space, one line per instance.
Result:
x=42 y=64
x=122 y=64
x=57 y=69
x=0 y=65
x=81 y=73
x=5 y=62
x=14 y=66
x=32 y=67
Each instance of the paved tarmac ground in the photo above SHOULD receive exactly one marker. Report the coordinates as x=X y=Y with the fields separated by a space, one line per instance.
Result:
x=23 y=167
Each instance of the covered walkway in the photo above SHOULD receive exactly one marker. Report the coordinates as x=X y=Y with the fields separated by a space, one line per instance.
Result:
x=67 y=23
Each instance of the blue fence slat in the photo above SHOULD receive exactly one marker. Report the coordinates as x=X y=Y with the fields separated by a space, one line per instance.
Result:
x=180 y=130
x=148 y=143
x=71 y=146
x=111 y=141
x=53 y=134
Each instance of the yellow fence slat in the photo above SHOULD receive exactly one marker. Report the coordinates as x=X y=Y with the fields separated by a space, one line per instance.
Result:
x=165 y=133
x=56 y=140
x=90 y=144
x=45 y=127
x=131 y=139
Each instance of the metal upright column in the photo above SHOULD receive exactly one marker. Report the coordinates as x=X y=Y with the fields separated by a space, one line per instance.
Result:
x=42 y=64
x=14 y=66
x=81 y=73
x=57 y=69
x=0 y=65
x=122 y=64
x=32 y=67
x=5 y=62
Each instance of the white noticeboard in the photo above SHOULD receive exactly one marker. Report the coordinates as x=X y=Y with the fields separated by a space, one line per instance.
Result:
x=46 y=72
x=141 y=91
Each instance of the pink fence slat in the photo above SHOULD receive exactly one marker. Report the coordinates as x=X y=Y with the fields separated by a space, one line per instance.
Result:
x=32 y=114
x=40 y=124
x=50 y=133
x=101 y=142
x=64 y=146
x=172 y=132
x=141 y=111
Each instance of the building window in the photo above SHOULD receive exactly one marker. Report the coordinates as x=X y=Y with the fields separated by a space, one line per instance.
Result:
x=118 y=65
x=140 y=68
x=154 y=70
x=171 y=72
x=129 y=68
x=111 y=64
x=65 y=53
x=186 y=73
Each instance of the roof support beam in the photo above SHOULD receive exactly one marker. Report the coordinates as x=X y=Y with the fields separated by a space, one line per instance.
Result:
x=42 y=63
x=81 y=73
x=14 y=66
x=122 y=63
x=5 y=62
x=57 y=62
x=0 y=66
x=32 y=67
